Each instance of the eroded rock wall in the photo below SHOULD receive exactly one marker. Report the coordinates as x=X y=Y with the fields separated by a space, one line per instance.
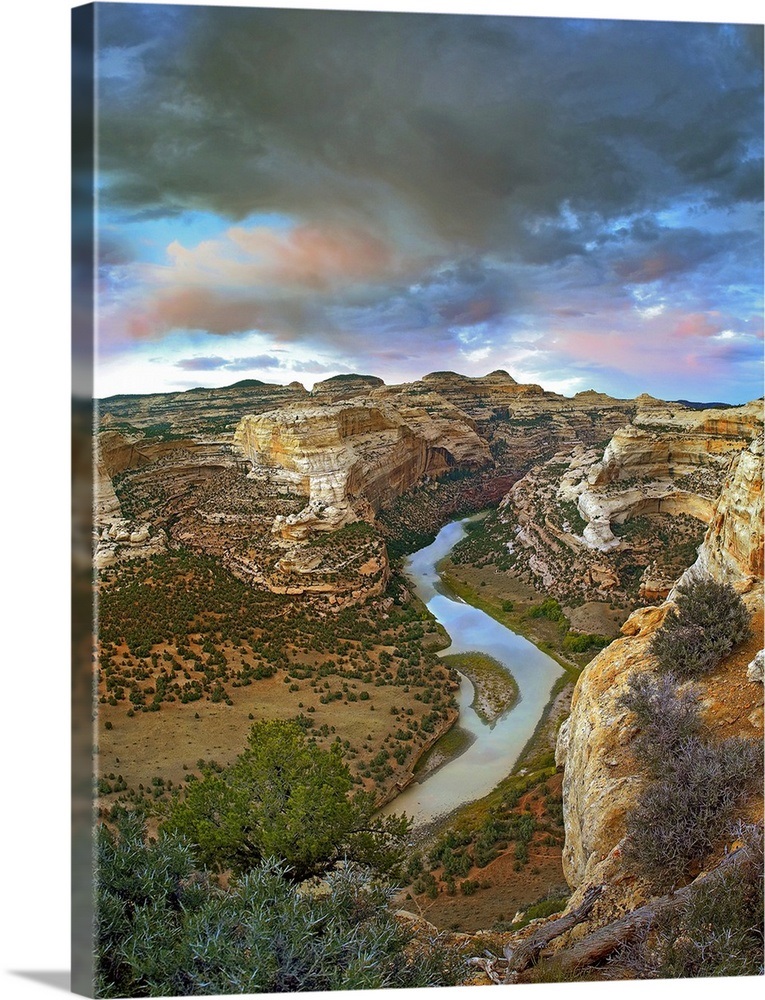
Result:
x=602 y=777
x=365 y=450
x=732 y=550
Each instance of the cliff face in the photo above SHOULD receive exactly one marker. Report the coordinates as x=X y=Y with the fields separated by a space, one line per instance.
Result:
x=580 y=520
x=732 y=549
x=359 y=450
x=595 y=744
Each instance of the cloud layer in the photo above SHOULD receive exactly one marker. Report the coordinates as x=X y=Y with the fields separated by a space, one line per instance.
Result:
x=398 y=192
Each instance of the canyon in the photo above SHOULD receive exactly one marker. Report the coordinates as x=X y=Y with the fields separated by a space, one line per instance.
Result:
x=606 y=505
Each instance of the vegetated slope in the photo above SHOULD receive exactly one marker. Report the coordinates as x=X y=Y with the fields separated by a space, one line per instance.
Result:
x=607 y=777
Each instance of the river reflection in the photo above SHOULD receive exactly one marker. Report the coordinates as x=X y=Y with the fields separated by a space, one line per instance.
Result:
x=494 y=749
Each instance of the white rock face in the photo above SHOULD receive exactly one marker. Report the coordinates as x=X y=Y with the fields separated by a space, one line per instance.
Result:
x=124 y=539
x=363 y=449
x=754 y=671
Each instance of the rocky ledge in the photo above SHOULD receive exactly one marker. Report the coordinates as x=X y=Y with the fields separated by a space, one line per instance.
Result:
x=351 y=458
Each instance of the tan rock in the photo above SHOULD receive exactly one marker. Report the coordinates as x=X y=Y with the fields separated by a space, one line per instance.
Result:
x=361 y=449
x=732 y=550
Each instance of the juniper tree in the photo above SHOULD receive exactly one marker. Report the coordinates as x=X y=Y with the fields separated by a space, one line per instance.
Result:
x=285 y=797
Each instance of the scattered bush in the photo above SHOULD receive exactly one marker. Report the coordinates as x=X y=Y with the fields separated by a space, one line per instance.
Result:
x=549 y=608
x=719 y=930
x=695 y=784
x=164 y=927
x=667 y=715
x=710 y=619
x=681 y=814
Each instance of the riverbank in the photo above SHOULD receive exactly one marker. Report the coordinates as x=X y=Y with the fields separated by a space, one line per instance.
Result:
x=506 y=880
x=492 y=737
x=546 y=635
x=496 y=690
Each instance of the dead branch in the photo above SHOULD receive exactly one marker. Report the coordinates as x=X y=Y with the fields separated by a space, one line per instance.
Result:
x=527 y=953
x=603 y=942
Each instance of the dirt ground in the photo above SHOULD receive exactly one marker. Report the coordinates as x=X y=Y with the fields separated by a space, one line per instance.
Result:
x=503 y=891
x=169 y=743
x=734 y=704
x=597 y=617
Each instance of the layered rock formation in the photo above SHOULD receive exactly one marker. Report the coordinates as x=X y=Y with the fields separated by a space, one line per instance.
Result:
x=732 y=550
x=339 y=387
x=579 y=519
x=366 y=451
x=351 y=447
x=196 y=411
x=601 y=778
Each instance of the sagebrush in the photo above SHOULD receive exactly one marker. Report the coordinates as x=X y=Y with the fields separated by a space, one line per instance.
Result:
x=710 y=619
x=694 y=783
x=164 y=926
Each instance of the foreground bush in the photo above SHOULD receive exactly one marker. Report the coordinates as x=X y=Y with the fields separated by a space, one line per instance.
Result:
x=166 y=928
x=286 y=798
x=709 y=620
x=695 y=784
x=719 y=931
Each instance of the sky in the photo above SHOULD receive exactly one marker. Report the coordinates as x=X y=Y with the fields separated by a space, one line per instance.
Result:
x=289 y=195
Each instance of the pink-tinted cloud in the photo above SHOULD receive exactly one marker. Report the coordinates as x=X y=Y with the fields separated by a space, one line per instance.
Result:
x=191 y=309
x=673 y=340
x=707 y=324
x=307 y=257
x=314 y=257
x=250 y=277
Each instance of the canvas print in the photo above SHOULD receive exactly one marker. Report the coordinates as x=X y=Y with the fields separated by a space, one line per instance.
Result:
x=427 y=509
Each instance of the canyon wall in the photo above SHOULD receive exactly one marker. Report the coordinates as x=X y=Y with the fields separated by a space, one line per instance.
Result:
x=601 y=781
x=354 y=456
x=732 y=550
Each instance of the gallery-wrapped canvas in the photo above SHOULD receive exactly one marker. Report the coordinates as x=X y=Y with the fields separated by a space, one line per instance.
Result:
x=418 y=525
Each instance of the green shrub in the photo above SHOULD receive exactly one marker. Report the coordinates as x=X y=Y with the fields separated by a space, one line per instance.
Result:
x=710 y=619
x=164 y=927
x=550 y=609
x=285 y=798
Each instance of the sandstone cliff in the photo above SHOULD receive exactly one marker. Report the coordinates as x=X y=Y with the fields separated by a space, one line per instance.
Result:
x=621 y=524
x=602 y=776
x=732 y=549
x=360 y=450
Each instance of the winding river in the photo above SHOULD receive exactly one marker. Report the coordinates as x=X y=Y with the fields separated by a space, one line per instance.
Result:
x=494 y=749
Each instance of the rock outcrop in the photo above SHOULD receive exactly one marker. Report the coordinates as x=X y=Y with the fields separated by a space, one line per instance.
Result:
x=339 y=387
x=755 y=669
x=362 y=450
x=124 y=539
x=601 y=781
x=732 y=550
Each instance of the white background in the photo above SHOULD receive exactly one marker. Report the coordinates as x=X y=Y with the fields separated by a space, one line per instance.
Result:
x=34 y=459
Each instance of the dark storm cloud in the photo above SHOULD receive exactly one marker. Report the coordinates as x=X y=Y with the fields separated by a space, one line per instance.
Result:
x=473 y=124
x=439 y=186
